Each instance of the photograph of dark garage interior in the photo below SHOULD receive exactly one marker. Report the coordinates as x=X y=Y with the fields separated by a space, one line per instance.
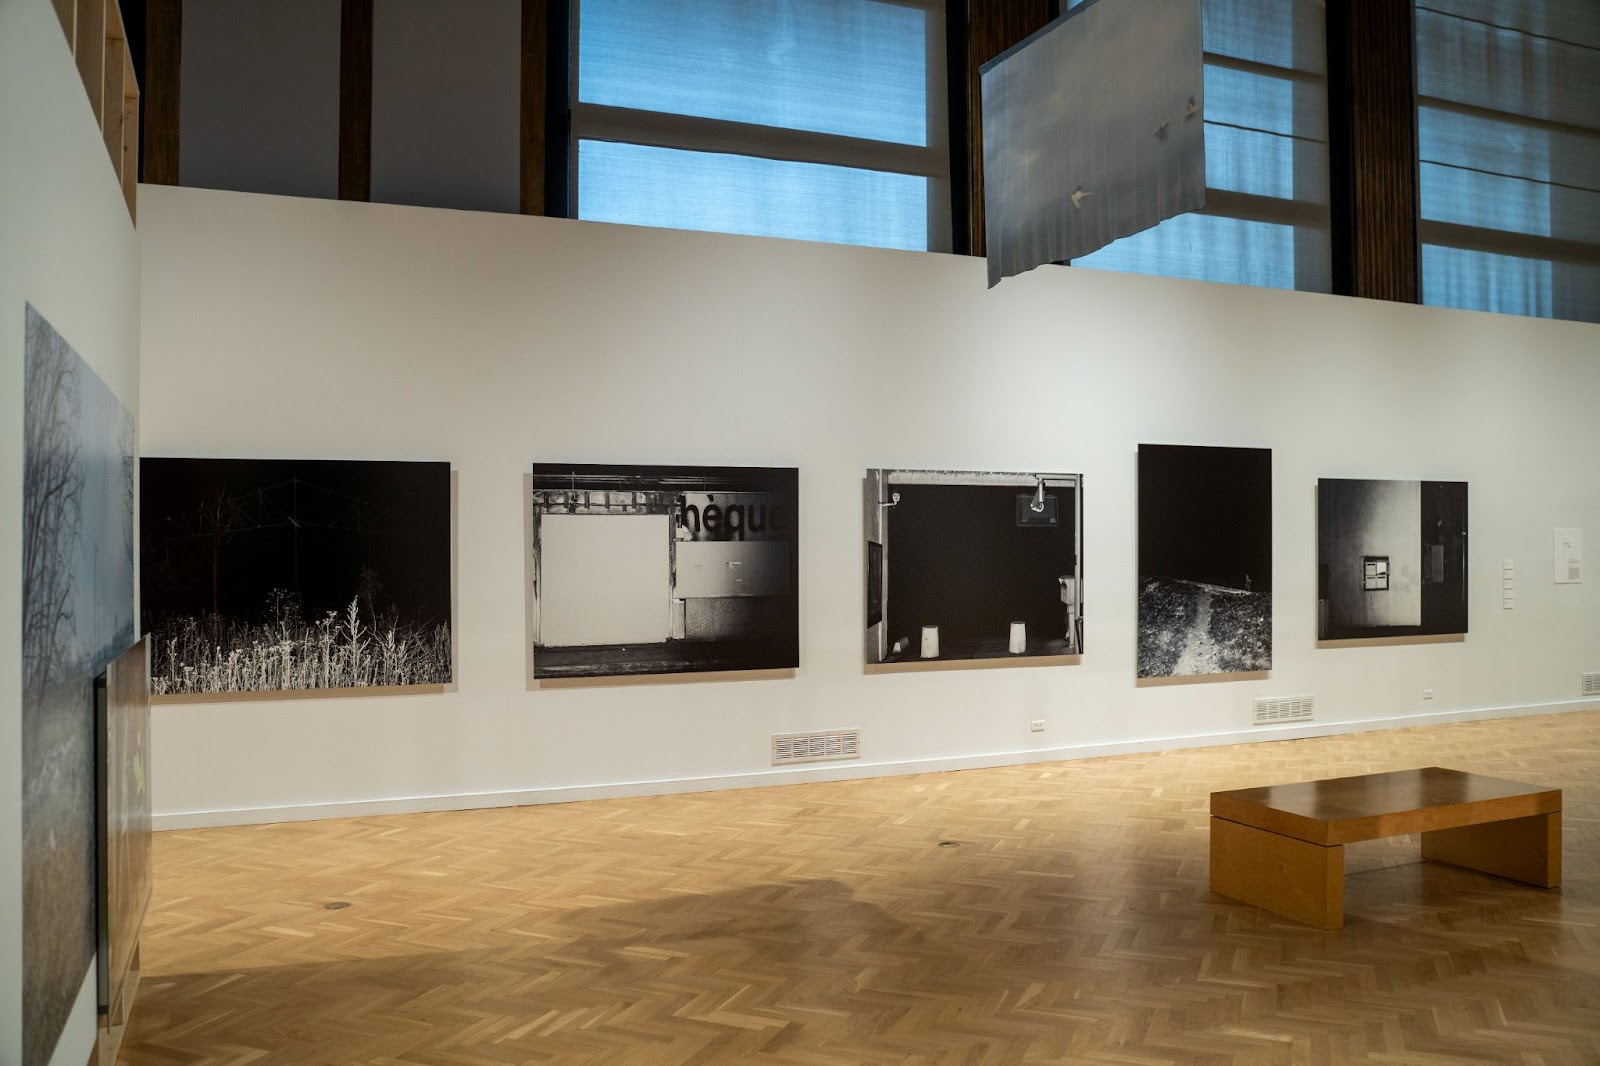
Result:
x=735 y=754
x=973 y=565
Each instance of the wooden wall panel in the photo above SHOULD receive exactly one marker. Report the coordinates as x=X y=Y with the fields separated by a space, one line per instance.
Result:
x=67 y=12
x=112 y=76
x=1372 y=129
x=163 y=54
x=355 y=101
x=128 y=159
x=535 y=71
x=91 y=29
x=992 y=27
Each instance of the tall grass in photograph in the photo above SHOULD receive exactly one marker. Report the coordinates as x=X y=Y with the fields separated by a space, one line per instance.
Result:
x=292 y=575
x=348 y=649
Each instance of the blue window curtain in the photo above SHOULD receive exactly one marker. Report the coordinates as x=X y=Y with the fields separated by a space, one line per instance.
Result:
x=813 y=119
x=1508 y=130
x=1266 y=218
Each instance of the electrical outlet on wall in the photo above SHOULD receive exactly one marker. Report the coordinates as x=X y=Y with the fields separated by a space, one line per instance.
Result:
x=1036 y=726
x=1427 y=693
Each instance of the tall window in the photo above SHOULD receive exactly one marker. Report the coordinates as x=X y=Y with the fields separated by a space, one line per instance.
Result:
x=1508 y=124
x=1266 y=112
x=815 y=119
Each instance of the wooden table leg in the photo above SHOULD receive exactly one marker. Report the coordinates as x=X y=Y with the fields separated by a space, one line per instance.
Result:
x=1523 y=849
x=1280 y=874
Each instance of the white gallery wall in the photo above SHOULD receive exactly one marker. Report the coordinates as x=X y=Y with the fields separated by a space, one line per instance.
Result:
x=67 y=246
x=280 y=327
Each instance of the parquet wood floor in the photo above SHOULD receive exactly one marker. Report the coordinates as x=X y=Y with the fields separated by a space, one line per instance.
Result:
x=821 y=924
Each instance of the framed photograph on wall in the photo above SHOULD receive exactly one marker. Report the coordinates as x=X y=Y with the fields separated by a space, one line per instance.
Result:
x=123 y=820
x=291 y=575
x=77 y=512
x=966 y=565
x=640 y=570
x=1391 y=558
x=1205 y=560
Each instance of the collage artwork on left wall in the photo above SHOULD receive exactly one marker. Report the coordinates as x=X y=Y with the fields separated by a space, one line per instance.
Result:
x=292 y=575
x=77 y=615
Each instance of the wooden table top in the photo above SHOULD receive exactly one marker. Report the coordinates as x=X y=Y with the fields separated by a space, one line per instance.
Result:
x=1345 y=809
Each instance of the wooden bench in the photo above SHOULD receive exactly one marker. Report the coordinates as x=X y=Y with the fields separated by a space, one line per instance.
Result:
x=1281 y=848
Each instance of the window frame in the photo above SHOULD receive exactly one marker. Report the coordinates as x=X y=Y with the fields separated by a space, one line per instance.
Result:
x=579 y=121
x=1561 y=256
x=1313 y=267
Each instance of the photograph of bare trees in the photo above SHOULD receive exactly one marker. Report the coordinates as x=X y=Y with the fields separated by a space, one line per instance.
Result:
x=284 y=575
x=77 y=615
x=1205 y=560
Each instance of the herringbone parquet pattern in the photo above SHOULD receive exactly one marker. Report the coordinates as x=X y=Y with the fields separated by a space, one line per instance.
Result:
x=822 y=924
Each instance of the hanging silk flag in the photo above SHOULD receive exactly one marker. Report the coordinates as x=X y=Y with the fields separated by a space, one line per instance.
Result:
x=1092 y=130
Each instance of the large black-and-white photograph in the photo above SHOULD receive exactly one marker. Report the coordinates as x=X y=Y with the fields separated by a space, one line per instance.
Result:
x=77 y=615
x=664 y=569
x=973 y=565
x=1391 y=558
x=1205 y=560
x=286 y=575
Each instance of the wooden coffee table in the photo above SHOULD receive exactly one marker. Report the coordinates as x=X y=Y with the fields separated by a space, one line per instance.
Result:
x=1281 y=848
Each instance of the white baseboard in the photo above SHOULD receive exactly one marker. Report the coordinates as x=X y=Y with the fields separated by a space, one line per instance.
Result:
x=842 y=772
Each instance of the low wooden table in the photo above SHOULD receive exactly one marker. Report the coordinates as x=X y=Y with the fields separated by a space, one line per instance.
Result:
x=1281 y=848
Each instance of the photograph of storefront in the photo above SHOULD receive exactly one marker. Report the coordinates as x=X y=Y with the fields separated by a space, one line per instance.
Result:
x=663 y=570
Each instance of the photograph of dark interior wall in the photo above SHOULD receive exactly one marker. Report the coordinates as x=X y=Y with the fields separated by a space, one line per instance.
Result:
x=286 y=575
x=123 y=834
x=973 y=565
x=1391 y=558
x=1205 y=560
x=664 y=569
x=77 y=616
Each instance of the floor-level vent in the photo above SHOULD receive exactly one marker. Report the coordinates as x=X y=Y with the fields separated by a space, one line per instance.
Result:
x=816 y=747
x=1283 y=709
x=1591 y=683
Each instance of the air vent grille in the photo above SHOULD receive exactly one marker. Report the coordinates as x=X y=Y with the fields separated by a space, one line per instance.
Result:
x=1277 y=709
x=1591 y=683
x=816 y=747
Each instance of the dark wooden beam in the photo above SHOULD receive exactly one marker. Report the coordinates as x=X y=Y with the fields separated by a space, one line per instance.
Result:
x=163 y=67
x=1372 y=149
x=535 y=56
x=959 y=124
x=355 y=101
x=992 y=27
x=558 y=147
